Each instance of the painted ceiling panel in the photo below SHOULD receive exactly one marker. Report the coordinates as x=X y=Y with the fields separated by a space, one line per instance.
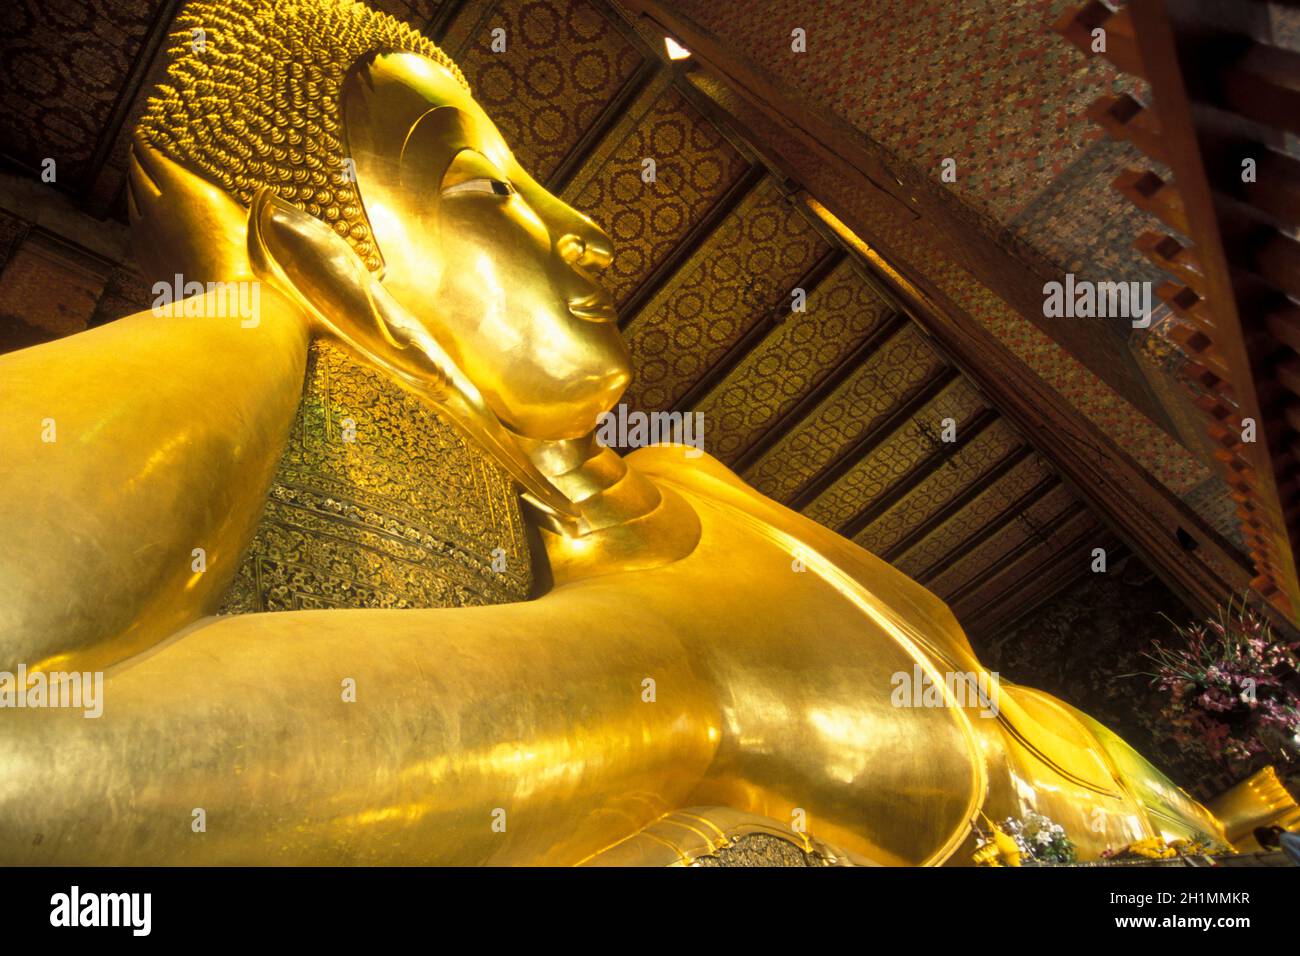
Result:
x=694 y=167
x=841 y=312
x=899 y=455
x=986 y=508
x=886 y=378
x=1025 y=566
x=1038 y=519
x=562 y=64
x=740 y=275
x=63 y=67
x=957 y=474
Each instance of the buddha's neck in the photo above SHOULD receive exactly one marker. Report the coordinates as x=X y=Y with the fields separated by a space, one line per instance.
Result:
x=628 y=522
x=596 y=479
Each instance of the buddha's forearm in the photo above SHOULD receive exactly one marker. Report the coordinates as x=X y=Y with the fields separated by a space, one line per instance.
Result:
x=140 y=453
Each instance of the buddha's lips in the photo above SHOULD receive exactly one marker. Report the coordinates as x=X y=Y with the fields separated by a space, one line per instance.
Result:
x=594 y=310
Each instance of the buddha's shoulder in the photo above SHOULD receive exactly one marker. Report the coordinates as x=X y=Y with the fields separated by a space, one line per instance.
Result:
x=683 y=464
x=704 y=479
x=702 y=476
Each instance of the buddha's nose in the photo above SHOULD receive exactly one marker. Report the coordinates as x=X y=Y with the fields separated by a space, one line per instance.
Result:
x=590 y=250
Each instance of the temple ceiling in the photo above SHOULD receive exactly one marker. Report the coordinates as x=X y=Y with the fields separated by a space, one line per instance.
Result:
x=837 y=411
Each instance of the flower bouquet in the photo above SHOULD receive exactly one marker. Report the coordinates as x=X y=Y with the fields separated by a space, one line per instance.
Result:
x=1155 y=848
x=1038 y=839
x=1232 y=690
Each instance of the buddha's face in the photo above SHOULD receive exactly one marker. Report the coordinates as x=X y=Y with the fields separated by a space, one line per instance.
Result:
x=500 y=271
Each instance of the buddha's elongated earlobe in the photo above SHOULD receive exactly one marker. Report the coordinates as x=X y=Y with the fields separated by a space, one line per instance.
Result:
x=307 y=261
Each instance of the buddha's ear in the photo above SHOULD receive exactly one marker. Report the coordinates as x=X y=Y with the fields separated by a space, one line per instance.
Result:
x=310 y=263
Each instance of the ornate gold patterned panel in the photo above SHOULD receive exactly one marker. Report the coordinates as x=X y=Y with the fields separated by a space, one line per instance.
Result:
x=379 y=503
x=63 y=69
x=841 y=311
x=745 y=269
x=902 y=451
x=418 y=13
x=1041 y=517
x=1003 y=591
x=862 y=402
x=956 y=475
x=987 y=506
x=563 y=62
x=694 y=167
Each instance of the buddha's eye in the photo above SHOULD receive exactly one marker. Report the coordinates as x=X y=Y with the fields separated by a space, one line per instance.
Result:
x=473 y=174
x=479 y=185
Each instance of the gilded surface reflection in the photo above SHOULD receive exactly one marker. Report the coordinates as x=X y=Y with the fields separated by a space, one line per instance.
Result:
x=698 y=666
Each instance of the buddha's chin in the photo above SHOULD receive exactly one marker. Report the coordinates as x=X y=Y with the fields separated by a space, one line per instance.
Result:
x=545 y=429
x=567 y=418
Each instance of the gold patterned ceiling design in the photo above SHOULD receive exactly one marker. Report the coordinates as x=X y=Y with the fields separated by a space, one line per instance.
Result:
x=838 y=411
x=746 y=268
x=771 y=379
x=908 y=447
x=861 y=407
x=697 y=169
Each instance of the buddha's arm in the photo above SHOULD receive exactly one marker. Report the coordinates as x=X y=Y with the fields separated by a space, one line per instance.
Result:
x=126 y=449
x=530 y=716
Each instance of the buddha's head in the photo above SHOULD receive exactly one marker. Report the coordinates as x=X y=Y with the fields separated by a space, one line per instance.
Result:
x=360 y=123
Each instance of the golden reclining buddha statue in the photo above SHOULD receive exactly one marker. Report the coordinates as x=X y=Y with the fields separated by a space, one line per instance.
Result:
x=681 y=664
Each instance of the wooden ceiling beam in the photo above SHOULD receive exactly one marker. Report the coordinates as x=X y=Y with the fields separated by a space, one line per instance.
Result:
x=815 y=396
x=440 y=22
x=766 y=324
x=981 y=535
x=1120 y=43
x=103 y=190
x=856 y=451
x=792 y=133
